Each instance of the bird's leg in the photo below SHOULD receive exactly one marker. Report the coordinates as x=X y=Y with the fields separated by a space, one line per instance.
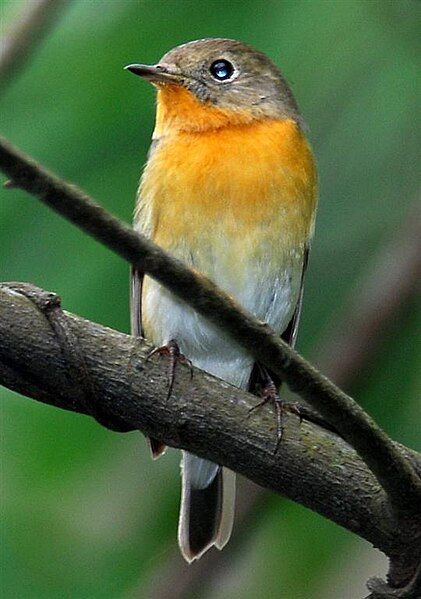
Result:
x=172 y=350
x=269 y=394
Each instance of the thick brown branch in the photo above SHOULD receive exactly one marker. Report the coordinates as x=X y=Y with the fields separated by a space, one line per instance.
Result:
x=394 y=472
x=30 y=28
x=205 y=416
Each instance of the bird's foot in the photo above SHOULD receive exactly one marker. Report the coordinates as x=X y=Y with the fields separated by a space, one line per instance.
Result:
x=172 y=350
x=269 y=394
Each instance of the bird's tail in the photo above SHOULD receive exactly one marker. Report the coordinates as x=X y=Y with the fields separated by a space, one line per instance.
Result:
x=207 y=506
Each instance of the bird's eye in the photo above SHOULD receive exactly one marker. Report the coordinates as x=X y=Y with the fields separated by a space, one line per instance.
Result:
x=221 y=70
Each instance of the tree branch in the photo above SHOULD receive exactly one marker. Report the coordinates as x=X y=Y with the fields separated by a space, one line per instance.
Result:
x=381 y=590
x=205 y=416
x=393 y=471
x=31 y=27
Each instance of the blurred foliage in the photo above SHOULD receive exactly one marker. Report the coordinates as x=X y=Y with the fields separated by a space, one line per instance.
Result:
x=85 y=512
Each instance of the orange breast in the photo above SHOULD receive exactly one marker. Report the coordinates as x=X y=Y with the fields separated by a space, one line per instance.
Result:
x=254 y=182
x=235 y=197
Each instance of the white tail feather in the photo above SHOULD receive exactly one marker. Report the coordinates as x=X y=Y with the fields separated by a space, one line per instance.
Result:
x=195 y=473
x=228 y=508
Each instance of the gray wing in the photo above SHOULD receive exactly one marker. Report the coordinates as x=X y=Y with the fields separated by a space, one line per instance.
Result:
x=289 y=336
x=136 y=302
x=290 y=333
x=137 y=276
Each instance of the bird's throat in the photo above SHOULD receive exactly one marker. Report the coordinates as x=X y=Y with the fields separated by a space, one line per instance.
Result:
x=179 y=110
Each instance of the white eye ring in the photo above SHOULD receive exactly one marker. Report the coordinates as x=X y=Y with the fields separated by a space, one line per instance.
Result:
x=222 y=70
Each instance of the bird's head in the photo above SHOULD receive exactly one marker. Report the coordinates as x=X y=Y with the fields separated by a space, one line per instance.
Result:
x=212 y=83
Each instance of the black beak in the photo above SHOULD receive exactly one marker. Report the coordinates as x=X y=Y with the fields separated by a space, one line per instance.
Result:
x=154 y=73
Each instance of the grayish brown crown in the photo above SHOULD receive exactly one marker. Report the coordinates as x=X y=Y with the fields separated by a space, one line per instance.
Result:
x=256 y=84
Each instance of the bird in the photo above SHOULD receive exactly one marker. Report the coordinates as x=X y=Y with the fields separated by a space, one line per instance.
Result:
x=230 y=188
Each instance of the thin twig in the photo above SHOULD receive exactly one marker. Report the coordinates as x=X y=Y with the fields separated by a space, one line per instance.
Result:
x=33 y=24
x=394 y=472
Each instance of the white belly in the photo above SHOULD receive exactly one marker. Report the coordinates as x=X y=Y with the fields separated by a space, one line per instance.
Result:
x=270 y=297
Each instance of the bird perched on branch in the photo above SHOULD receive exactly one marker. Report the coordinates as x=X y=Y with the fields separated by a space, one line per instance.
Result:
x=230 y=188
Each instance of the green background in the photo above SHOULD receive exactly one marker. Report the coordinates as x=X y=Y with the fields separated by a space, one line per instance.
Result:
x=86 y=514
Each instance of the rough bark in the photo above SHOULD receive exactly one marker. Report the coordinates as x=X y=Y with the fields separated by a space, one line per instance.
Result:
x=206 y=416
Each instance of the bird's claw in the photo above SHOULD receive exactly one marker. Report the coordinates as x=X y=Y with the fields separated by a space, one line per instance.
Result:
x=172 y=350
x=270 y=394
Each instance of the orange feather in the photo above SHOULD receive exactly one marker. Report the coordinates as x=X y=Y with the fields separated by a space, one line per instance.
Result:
x=257 y=176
